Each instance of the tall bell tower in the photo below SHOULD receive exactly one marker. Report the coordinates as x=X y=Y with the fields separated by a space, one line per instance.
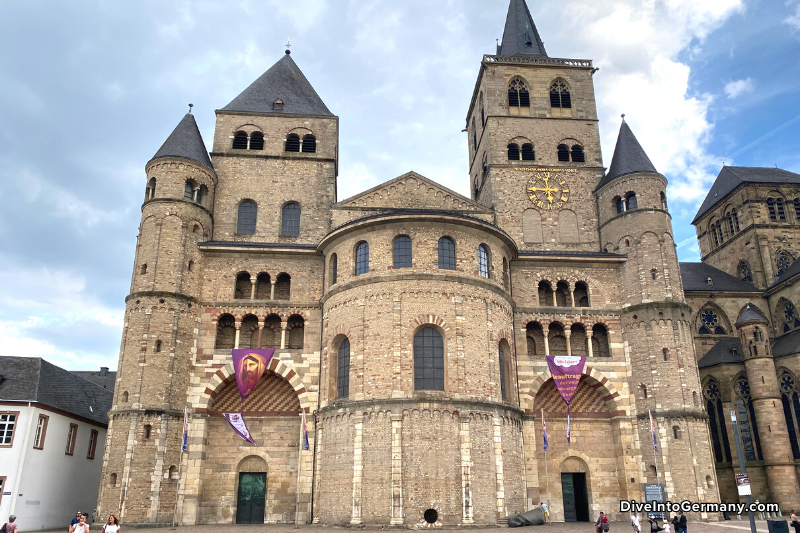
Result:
x=534 y=143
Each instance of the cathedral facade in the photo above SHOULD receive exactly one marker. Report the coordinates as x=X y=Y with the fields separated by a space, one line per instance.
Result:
x=411 y=323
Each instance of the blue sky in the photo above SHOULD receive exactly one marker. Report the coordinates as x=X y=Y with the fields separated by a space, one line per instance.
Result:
x=90 y=90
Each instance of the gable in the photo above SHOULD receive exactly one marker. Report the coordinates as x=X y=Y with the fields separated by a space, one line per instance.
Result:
x=412 y=191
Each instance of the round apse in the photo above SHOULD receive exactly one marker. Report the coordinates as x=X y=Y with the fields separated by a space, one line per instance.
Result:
x=431 y=516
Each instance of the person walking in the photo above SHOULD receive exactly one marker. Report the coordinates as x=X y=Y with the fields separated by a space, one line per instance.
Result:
x=795 y=522
x=82 y=526
x=545 y=512
x=681 y=526
x=637 y=527
x=75 y=520
x=112 y=525
x=602 y=523
x=10 y=526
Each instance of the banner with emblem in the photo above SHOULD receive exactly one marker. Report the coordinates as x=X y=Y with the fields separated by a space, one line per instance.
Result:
x=566 y=371
x=237 y=423
x=249 y=365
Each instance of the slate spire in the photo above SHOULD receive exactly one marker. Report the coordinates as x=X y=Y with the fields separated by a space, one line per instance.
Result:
x=520 y=36
x=629 y=156
x=185 y=141
x=284 y=81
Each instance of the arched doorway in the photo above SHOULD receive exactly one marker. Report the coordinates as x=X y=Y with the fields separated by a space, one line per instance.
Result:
x=574 y=494
x=251 y=490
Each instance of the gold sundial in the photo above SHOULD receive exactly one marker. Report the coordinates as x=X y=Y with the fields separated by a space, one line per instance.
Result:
x=548 y=190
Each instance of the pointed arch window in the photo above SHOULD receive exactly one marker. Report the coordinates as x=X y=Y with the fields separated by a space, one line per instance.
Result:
x=447 y=254
x=559 y=94
x=290 y=220
x=518 y=94
x=783 y=262
x=256 y=141
x=239 y=140
x=790 y=319
x=309 y=144
x=513 y=152
x=744 y=271
x=716 y=419
x=246 y=219
x=748 y=425
x=710 y=323
x=791 y=410
x=292 y=143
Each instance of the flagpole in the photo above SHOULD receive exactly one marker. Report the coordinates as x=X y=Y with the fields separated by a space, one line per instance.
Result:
x=177 y=488
x=299 y=458
x=546 y=478
x=655 y=461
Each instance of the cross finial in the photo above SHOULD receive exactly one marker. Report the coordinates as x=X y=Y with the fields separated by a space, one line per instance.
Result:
x=288 y=45
x=623 y=117
x=190 y=108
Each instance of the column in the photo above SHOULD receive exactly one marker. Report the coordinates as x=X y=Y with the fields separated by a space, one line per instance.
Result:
x=272 y=289
x=260 y=333
x=589 y=342
x=238 y=329
x=397 y=469
x=283 y=334
x=555 y=301
x=358 y=428
x=567 y=334
x=546 y=340
x=466 y=471
x=253 y=282
x=572 y=295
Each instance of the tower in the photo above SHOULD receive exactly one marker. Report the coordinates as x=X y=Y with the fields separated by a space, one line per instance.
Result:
x=759 y=394
x=656 y=322
x=534 y=145
x=146 y=419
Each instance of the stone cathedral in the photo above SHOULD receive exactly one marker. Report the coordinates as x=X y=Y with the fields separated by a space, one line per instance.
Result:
x=410 y=322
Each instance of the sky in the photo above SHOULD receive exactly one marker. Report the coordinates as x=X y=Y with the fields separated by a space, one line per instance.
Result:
x=89 y=90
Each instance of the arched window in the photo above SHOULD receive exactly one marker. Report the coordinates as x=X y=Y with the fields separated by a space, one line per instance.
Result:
x=513 y=152
x=243 y=286
x=664 y=204
x=748 y=425
x=124 y=396
x=483 y=115
x=150 y=191
x=295 y=329
x=556 y=340
x=506 y=278
x=654 y=273
x=447 y=254
x=527 y=152
x=710 y=323
x=271 y=335
x=581 y=294
x=483 y=261
x=797 y=209
x=716 y=420
x=577 y=154
x=744 y=271
x=246 y=220
x=731 y=225
x=428 y=360
x=790 y=319
x=781 y=212
x=501 y=363
x=577 y=340
x=630 y=201
x=283 y=286
x=147 y=430
x=563 y=298
x=474 y=135
x=402 y=251
x=343 y=369
x=309 y=144
x=362 y=258
x=546 y=294
x=292 y=143
x=290 y=220
x=263 y=287
x=188 y=191
x=112 y=480
x=256 y=140
x=518 y=94
x=226 y=332
x=559 y=94
x=783 y=262
x=600 y=347
x=534 y=335
x=791 y=409
x=334 y=268
x=665 y=353
x=620 y=204
x=143 y=269
x=712 y=228
x=676 y=432
x=200 y=193
x=773 y=216
x=158 y=346
x=563 y=152
x=173 y=473
x=239 y=140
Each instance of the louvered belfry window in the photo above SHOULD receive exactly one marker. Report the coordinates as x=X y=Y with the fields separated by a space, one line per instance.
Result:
x=290 y=220
x=527 y=152
x=246 y=221
x=292 y=143
x=563 y=152
x=559 y=95
x=447 y=254
x=518 y=94
x=309 y=144
x=577 y=154
x=240 y=140
x=256 y=140
x=513 y=152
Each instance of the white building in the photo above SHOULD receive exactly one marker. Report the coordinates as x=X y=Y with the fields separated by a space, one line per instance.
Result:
x=52 y=435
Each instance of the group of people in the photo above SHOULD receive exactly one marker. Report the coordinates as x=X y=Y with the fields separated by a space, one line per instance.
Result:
x=678 y=522
x=79 y=524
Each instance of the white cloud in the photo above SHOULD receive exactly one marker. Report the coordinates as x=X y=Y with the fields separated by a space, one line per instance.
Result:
x=794 y=20
x=738 y=87
x=354 y=179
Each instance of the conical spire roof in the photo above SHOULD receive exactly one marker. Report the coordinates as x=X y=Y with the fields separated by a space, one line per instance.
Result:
x=747 y=314
x=185 y=141
x=520 y=36
x=629 y=156
x=285 y=81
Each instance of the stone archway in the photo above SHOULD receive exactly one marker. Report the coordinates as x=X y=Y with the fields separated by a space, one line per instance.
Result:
x=601 y=383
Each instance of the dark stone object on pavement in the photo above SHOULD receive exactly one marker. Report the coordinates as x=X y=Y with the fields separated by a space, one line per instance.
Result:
x=534 y=517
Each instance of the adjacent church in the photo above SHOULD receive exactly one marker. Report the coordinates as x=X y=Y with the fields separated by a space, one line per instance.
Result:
x=411 y=323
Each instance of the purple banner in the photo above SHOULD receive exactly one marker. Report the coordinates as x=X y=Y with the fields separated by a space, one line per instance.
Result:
x=566 y=372
x=237 y=423
x=249 y=365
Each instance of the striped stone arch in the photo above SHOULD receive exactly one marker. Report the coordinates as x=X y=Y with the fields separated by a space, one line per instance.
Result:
x=221 y=377
x=497 y=336
x=527 y=398
x=425 y=320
